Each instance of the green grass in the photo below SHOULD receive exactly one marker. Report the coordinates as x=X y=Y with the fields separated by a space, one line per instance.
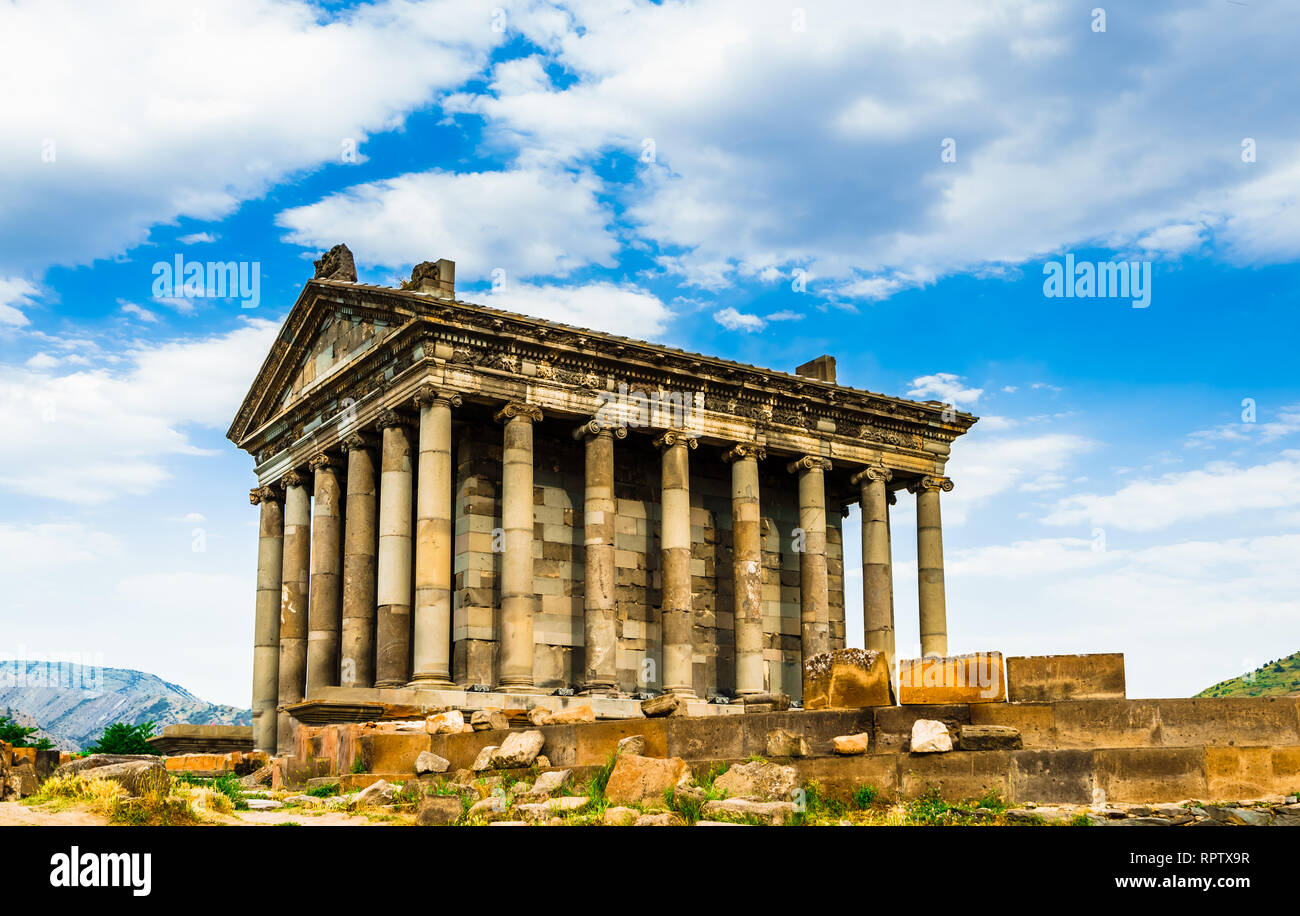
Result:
x=328 y=790
x=864 y=796
x=1280 y=677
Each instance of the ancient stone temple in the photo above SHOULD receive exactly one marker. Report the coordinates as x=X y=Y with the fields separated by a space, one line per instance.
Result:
x=456 y=497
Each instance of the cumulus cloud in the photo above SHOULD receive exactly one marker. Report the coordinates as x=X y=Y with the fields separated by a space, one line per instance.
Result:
x=946 y=387
x=622 y=309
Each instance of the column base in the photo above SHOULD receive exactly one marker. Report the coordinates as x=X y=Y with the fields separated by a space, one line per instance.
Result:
x=390 y=683
x=430 y=682
x=686 y=693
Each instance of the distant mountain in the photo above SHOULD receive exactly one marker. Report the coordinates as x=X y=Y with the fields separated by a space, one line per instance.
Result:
x=72 y=704
x=1279 y=678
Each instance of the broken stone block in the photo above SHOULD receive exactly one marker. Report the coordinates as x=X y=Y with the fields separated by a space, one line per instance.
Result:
x=930 y=736
x=637 y=779
x=445 y=723
x=632 y=744
x=542 y=762
x=539 y=716
x=429 y=762
x=548 y=782
x=1047 y=678
x=135 y=776
x=989 y=738
x=664 y=705
x=766 y=702
x=759 y=779
x=484 y=759
x=781 y=743
x=439 y=810
x=519 y=749
x=847 y=679
x=849 y=745
x=573 y=714
x=664 y=819
x=488 y=719
x=620 y=817
x=936 y=680
x=491 y=808
x=542 y=811
x=767 y=812
x=22 y=779
x=380 y=792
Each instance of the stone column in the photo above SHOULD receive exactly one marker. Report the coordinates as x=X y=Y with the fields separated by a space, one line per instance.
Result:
x=433 y=541
x=357 y=668
x=675 y=568
x=266 y=625
x=517 y=595
x=877 y=562
x=747 y=566
x=600 y=634
x=393 y=588
x=325 y=607
x=294 y=591
x=814 y=608
x=929 y=564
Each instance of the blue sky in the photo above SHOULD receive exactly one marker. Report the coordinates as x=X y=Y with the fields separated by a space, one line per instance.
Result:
x=671 y=171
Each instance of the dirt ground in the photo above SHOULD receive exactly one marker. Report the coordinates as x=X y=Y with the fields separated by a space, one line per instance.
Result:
x=18 y=814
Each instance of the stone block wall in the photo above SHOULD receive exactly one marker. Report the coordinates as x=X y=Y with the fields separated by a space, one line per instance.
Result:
x=559 y=568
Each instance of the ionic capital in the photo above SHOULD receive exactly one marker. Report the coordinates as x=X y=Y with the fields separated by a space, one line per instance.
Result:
x=930 y=482
x=356 y=442
x=515 y=410
x=294 y=478
x=596 y=428
x=675 y=437
x=395 y=417
x=267 y=494
x=324 y=460
x=809 y=463
x=429 y=394
x=744 y=450
x=868 y=475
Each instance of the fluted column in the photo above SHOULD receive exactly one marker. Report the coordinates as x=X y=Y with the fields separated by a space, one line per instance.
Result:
x=814 y=606
x=325 y=614
x=929 y=564
x=600 y=635
x=517 y=595
x=747 y=566
x=433 y=540
x=294 y=591
x=877 y=562
x=357 y=667
x=393 y=589
x=266 y=622
x=675 y=568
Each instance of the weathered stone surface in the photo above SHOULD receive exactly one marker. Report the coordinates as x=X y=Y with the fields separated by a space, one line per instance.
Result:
x=632 y=744
x=439 y=810
x=519 y=749
x=1240 y=817
x=135 y=776
x=989 y=738
x=636 y=779
x=664 y=705
x=542 y=762
x=429 y=762
x=938 y=680
x=758 y=779
x=336 y=264
x=484 y=759
x=491 y=808
x=847 y=679
x=263 y=804
x=487 y=719
x=767 y=812
x=767 y=702
x=1045 y=678
x=664 y=819
x=848 y=745
x=539 y=716
x=619 y=816
x=1047 y=814
x=573 y=715
x=548 y=782
x=377 y=793
x=541 y=811
x=21 y=780
x=446 y=723
x=930 y=736
x=781 y=743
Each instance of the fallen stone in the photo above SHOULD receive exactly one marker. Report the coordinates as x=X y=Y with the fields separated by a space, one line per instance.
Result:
x=484 y=759
x=542 y=762
x=663 y=705
x=1146 y=822
x=766 y=702
x=548 y=782
x=22 y=780
x=519 y=749
x=620 y=817
x=989 y=738
x=135 y=776
x=306 y=801
x=446 y=723
x=542 y=811
x=429 y=762
x=572 y=715
x=488 y=719
x=781 y=743
x=759 y=779
x=539 y=716
x=636 y=779
x=665 y=819
x=719 y=824
x=632 y=744
x=439 y=810
x=491 y=808
x=1045 y=814
x=767 y=812
x=847 y=679
x=930 y=736
x=263 y=804
x=849 y=745
x=380 y=792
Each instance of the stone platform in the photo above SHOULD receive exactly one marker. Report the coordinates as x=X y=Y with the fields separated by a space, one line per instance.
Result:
x=203 y=739
x=1073 y=751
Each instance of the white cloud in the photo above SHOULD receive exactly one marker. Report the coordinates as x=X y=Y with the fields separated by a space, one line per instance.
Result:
x=984 y=467
x=616 y=309
x=946 y=387
x=733 y=320
x=198 y=238
x=527 y=222
x=13 y=293
x=130 y=308
x=1286 y=422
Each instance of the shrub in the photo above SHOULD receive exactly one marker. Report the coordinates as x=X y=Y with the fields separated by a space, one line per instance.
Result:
x=864 y=796
x=19 y=735
x=121 y=738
